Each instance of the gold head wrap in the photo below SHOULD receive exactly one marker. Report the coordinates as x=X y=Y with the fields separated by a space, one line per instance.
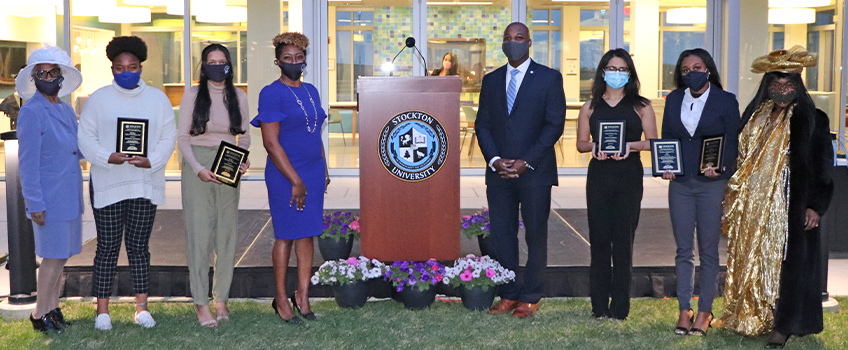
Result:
x=793 y=60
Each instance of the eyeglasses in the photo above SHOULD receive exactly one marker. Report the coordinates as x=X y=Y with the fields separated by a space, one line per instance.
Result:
x=53 y=73
x=685 y=71
x=617 y=69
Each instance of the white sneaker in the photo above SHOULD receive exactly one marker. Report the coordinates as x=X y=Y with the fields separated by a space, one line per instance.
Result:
x=145 y=319
x=103 y=322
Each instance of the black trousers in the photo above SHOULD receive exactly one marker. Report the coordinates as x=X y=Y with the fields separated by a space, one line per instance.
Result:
x=133 y=217
x=534 y=203
x=613 y=198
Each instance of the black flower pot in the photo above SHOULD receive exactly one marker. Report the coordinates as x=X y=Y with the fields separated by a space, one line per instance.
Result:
x=351 y=296
x=485 y=245
x=476 y=299
x=414 y=299
x=332 y=249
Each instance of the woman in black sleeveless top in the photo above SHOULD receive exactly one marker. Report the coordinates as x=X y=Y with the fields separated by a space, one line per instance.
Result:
x=614 y=182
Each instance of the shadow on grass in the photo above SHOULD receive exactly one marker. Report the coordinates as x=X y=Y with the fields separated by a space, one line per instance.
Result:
x=559 y=324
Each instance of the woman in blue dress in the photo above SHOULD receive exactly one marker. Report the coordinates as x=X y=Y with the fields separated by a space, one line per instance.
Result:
x=290 y=116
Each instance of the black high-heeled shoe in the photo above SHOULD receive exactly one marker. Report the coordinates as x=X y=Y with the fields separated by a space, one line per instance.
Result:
x=702 y=332
x=44 y=324
x=309 y=316
x=292 y=320
x=776 y=345
x=685 y=330
x=56 y=315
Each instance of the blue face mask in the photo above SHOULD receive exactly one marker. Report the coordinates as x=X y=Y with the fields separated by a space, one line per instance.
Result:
x=127 y=80
x=616 y=80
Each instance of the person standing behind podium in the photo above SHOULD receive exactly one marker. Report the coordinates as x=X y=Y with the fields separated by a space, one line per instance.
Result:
x=520 y=119
x=450 y=66
x=614 y=182
x=698 y=108
x=125 y=190
x=295 y=172
x=213 y=111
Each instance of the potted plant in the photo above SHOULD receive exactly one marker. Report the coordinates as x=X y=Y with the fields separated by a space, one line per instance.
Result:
x=336 y=239
x=415 y=281
x=349 y=278
x=476 y=278
x=477 y=225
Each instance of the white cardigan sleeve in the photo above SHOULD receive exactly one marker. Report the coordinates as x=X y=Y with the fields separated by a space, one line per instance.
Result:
x=87 y=137
x=167 y=138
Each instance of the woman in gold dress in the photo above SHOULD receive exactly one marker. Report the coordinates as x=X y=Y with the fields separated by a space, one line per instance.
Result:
x=773 y=204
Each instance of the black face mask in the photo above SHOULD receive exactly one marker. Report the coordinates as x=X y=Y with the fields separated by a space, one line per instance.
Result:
x=292 y=71
x=515 y=50
x=696 y=80
x=217 y=72
x=49 y=88
x=778 y=97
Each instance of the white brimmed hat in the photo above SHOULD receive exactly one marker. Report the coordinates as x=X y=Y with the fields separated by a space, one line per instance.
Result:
x=24 y=83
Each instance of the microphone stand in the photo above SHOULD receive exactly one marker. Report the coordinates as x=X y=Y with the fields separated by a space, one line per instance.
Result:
x=422 y=58
x=393 y=61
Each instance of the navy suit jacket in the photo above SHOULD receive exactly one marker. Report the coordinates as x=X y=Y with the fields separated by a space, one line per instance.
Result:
x=530 y=131
x=720 y=116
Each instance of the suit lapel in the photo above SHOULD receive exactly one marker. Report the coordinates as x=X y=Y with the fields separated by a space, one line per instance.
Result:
x=523 y=89
x=500 y=89
x=706 y=113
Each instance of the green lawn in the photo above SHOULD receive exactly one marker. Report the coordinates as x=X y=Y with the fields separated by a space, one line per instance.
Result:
x=559 y=324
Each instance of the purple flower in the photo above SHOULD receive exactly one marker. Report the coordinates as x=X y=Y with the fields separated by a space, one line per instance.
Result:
x=486 y=227
x=411 y=281
x=425 y=277
x=388 y=273
x=333 y=231
x=466 y=225
x=337 y=222
x=337 y=214
x=344 y=230
x=347 y=215
x=404 y=265
x=325 y=226
x=484 y=213
x=345 y=225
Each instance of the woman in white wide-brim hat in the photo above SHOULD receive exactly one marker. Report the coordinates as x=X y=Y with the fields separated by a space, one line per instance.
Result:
x=51 y=178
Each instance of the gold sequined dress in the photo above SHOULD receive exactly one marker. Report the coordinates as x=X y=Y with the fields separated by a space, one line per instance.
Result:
x=756 y=222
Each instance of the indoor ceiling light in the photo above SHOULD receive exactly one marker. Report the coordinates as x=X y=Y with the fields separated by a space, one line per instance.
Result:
x=687 y=15
x=124 y=14
x=791 y=15
x=457 y=3
x=26 y=11
x=148 y=2
x=224 y=14
x=90 y=8
x=598 y=1
x=798 y=3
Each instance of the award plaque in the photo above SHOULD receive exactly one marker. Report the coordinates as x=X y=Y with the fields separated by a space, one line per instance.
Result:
x=665 y=156
x=227 y=162
x=132 y=137
x=611 y=136
x=712 y=150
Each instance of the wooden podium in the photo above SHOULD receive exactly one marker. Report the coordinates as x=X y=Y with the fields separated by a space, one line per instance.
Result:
x=409 y=167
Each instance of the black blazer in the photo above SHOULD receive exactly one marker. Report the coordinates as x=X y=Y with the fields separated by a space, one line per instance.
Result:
x=720 y=116
x=530 y=131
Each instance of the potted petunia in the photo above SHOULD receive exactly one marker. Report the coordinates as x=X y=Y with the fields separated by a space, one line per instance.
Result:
x=476 y=279
x=478 y=225
x=349 y=278
x=415 y=281
x=338 y=232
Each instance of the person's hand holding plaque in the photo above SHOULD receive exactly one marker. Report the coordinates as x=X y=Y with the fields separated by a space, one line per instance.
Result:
x=599 y=155
x=118 y=158
x=139 y=161
x=711 y=173
x=207 y=175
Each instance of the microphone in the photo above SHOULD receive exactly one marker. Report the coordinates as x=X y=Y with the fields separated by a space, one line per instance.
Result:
x=410 y=42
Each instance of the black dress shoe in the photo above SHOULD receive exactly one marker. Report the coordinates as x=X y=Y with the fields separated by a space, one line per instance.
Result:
x=293 y=320
x=56 y=315
x=309 y=316
x=44 y=324
x=776 y=344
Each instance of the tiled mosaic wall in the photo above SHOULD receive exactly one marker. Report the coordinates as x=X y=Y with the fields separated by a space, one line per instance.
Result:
x=392 y=24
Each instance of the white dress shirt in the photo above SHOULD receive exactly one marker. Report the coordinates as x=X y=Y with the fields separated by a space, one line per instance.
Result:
x=691 y=109
x=519 y=77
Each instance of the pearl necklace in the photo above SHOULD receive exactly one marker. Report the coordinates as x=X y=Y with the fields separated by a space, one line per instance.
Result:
x=300 y=103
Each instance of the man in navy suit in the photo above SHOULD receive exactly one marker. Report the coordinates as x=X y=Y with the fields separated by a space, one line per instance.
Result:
x=520 y=119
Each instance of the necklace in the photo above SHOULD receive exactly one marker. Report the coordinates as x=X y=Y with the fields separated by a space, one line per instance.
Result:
x=610 y=98
x=300 y=103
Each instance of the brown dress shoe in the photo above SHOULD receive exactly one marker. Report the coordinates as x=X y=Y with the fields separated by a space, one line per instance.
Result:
x=505 y=305
x=525 y=310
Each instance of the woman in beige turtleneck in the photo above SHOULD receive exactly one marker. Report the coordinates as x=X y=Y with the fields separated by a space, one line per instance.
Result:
x=211 y=112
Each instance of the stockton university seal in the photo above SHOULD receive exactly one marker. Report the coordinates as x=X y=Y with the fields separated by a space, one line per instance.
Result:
x=413 y=146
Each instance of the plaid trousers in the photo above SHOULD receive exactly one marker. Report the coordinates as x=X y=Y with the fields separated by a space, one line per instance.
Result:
x=135 y=217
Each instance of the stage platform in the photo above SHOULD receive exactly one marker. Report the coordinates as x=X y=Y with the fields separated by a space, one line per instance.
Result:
x=567 y=273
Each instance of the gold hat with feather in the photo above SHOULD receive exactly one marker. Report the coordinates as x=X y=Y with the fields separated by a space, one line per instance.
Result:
x=793 y=60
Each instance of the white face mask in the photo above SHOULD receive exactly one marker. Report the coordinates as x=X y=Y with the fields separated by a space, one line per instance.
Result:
x=616 y=80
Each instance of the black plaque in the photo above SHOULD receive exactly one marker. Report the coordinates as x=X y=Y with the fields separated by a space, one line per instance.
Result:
x=132 y=137
x=665 y=156
x=227 y=162
x=712 y=151
x=611 y=137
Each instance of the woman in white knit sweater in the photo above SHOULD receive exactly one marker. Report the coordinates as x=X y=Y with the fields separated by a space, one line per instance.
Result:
x=125 y=189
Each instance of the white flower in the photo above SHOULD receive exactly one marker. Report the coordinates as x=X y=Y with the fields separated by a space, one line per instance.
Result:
x=315 y=279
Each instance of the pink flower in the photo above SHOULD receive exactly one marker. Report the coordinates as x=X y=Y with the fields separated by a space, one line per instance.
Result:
x=355 y=225
x=465 y=276
x=490 y=273
x=352 y=261
x=466 y=217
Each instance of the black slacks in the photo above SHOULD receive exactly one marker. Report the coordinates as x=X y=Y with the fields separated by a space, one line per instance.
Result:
x=534 y=202
x=613 y=198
